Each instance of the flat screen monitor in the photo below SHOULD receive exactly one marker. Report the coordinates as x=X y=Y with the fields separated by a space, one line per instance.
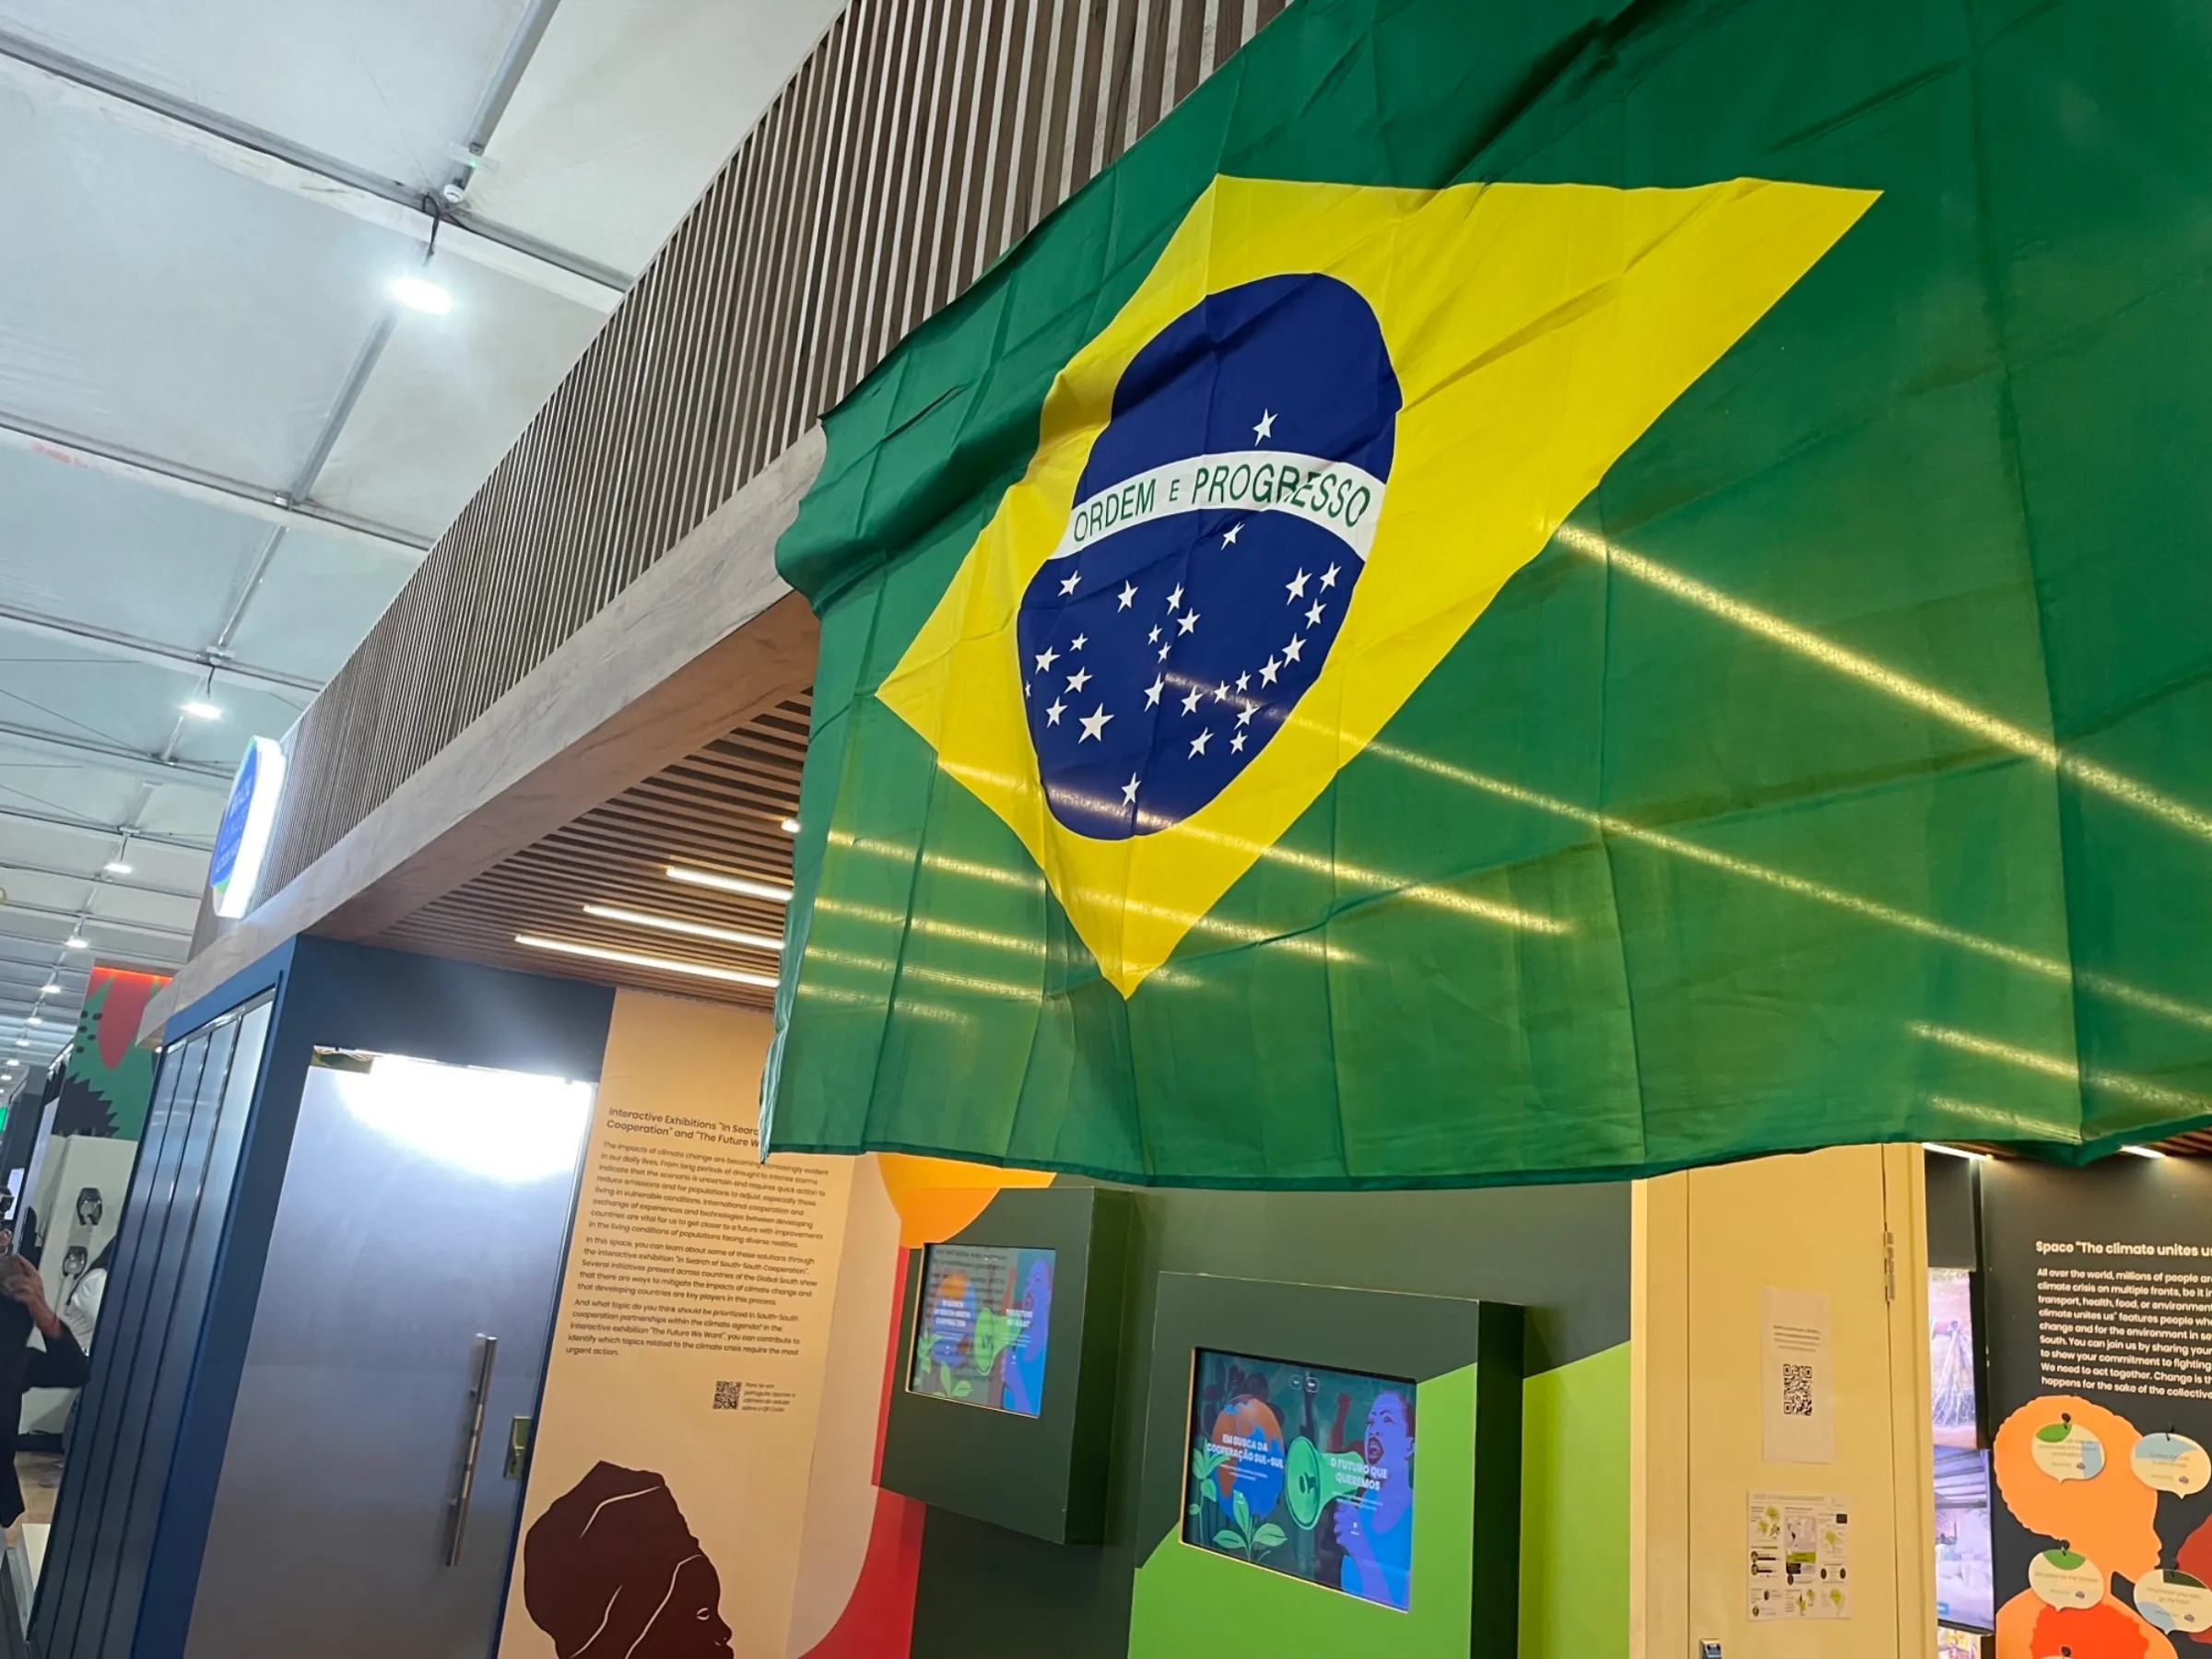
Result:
x=1965 y=1583
x=1304 y=1471
x=985 y=1326
x=1951 y=1357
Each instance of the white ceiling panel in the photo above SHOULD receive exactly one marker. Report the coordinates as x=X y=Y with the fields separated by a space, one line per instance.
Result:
x=450 y=395
x=629 y=108
x=95 y=548
x=152 y=300
x=80 y=695
x=386 y=84
x=36 y=783
x=32 y=890
x=316 y=600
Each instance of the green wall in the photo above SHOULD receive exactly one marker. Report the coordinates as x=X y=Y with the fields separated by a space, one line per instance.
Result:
x=1561 y=1252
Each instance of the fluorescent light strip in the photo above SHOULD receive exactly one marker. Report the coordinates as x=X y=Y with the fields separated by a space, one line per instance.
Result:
x=630 y=958
x=690 y=930
x=769 y=891
x=1952 y=1151
x=2144 y=1152
x=1991 y=729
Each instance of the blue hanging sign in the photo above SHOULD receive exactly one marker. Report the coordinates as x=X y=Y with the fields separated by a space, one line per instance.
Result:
x=243 y=842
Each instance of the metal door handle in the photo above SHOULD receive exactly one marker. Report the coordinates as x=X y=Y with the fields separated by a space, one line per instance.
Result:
x=479 y=1396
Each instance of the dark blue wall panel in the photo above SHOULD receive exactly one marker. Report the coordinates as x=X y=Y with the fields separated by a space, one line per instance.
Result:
x=132 y=1521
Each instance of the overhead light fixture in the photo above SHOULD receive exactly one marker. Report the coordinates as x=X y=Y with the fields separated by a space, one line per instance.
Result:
x=690 y=930
x=769 y=890
x=1951 y=1151
x=198 y=710
x=2144 y=1152
x=791 y=826
x=22 y=1042
x=419 y=293
x=51 y=989
x=115 y=867
x=40 y=1019
x=630 y=958
x=77 y=942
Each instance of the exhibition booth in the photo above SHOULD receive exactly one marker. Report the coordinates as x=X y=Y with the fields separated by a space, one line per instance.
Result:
x=514 y=1288
x=1432 y=886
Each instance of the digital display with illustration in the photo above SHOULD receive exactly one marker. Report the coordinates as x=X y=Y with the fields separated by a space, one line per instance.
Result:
x=1965 y=1579
x=1951 y=1357
x=1303 y=1471
x=984 y=1324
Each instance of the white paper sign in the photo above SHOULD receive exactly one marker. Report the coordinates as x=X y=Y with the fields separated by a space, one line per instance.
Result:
x=1796 y=1397
x=1798 y=1549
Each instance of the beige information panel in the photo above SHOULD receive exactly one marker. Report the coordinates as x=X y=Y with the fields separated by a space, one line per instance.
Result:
x=668 y=1482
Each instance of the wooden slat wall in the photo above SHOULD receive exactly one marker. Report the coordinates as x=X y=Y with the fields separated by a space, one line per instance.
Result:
x=918 y=141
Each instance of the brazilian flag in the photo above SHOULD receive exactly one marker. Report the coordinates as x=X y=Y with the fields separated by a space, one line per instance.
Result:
x=1537 y=590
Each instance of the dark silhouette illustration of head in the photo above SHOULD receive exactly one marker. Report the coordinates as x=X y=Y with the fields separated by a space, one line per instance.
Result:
x=90 y=1206
x=611 y=1571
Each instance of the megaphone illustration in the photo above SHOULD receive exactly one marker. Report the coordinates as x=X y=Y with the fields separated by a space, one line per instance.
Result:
x=1312 y=1479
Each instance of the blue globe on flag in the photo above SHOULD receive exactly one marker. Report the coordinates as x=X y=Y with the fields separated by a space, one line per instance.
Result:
x=1220 y=529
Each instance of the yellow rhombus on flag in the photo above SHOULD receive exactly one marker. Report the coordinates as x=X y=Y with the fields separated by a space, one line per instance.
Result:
x=1536 y=331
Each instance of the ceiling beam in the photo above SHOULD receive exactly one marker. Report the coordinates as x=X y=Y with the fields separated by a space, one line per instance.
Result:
x=58 y=79
x=79 y=919
x=271 y=506
x=97 y=830
x=120 y=884
x=119 y=758
x=43 y=821
x=131 y=648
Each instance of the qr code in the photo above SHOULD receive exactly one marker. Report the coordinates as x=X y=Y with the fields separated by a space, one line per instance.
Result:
x=727 y=1396
x=1797 y=1391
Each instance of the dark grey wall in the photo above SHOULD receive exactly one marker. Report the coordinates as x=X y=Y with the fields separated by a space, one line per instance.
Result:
x=1561 y=1252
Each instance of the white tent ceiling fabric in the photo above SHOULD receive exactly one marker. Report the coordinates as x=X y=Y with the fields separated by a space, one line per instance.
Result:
x=204 y=202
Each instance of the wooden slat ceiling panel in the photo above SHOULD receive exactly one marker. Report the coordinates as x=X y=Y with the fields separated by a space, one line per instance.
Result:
x=721 y=810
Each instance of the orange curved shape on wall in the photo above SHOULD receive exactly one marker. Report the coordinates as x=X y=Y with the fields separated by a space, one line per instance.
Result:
x=2110 y=1518
x=937 y=1197
x=2027 y=1629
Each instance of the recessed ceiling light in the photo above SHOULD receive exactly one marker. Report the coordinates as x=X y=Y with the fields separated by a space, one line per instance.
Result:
x=115 y=867
x=419 y=293
x=693 y=930
x=77 y=942
x=196 y=709
x=731 y=883
x=22 y=1042
x=53 y=989
x=630 y=958
x=791 y=826
x=37 y=1019
x=2144 y=1152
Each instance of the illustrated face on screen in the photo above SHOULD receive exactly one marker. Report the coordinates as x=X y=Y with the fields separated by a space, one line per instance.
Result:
x=89 y=1208
x=1304 y=1471
x=985 y=1326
